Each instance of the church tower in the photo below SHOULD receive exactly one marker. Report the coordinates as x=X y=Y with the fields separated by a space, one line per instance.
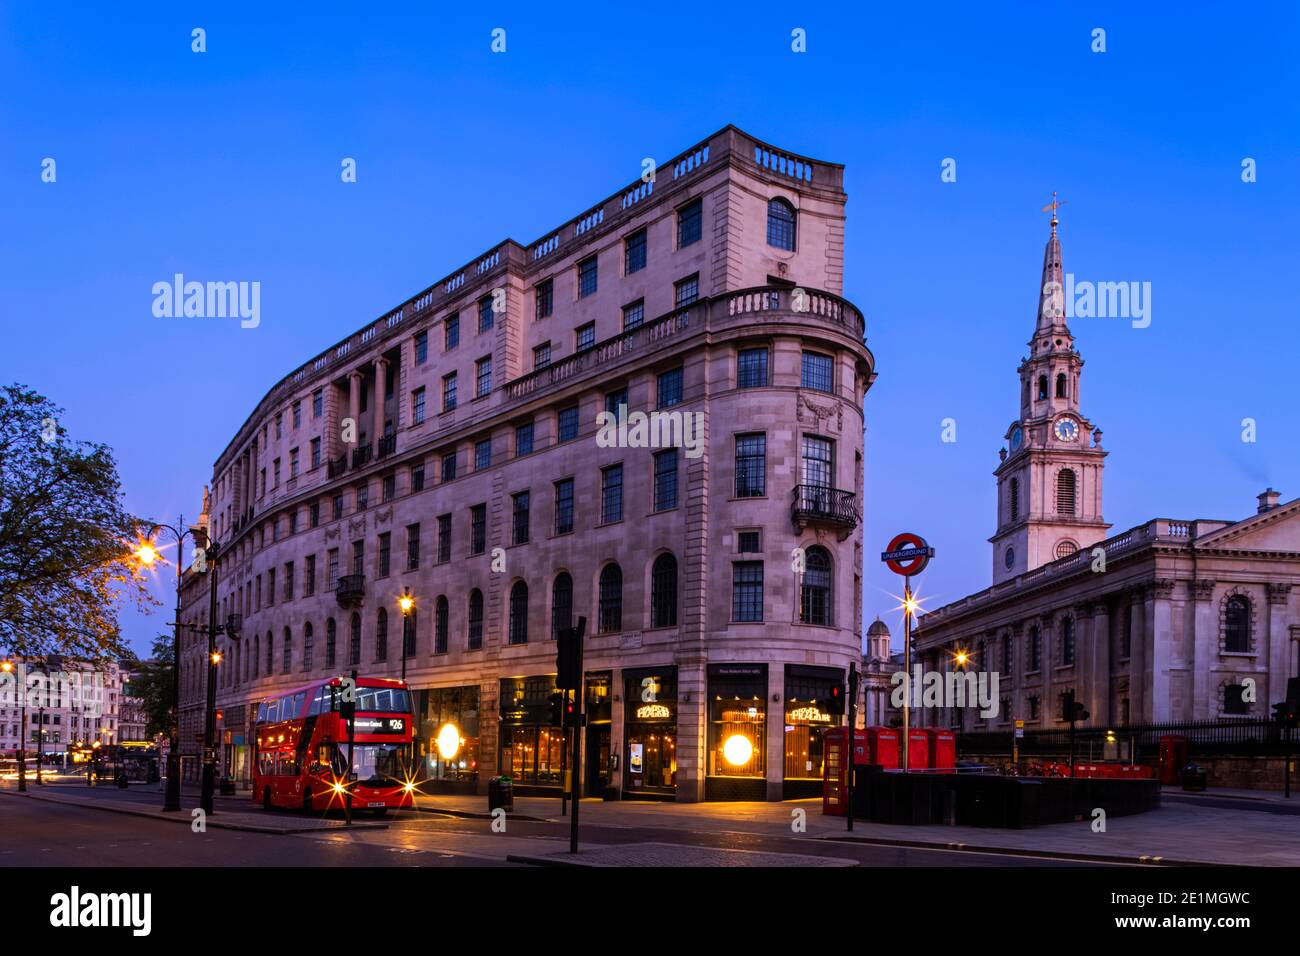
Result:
x=1049 y=478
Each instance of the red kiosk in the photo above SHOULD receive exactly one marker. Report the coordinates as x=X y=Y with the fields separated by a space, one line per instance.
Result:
x=835 y=767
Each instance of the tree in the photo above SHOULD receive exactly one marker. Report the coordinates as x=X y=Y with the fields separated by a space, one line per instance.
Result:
x=153 y=685
x=66 y=539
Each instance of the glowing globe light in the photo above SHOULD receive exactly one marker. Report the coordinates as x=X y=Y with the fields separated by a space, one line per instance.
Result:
x=448 y=741
x=737 y=750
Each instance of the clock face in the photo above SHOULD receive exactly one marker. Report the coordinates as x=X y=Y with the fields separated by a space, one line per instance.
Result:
x=1017 y=438
x=1067 y=429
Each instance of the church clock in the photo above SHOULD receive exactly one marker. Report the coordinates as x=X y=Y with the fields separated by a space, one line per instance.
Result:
x=1067 y=429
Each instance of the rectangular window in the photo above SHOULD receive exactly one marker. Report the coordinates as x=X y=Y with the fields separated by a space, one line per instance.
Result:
x=751 y=465
x=690 y=223
x=417 y=406
x=586 y=277
x=412 y=547
x=297 y=414
x=417 y=477
x=483 y=376
x=315 y=453
x=634 y=252
x=385 y=554
x=611 y=494
x=584 y=337
x=615 y=400
x=483 y=454
x=358 y=557
x=390 y=487
x=751 y=368
x=564 y=506
x=332 y=579
x=363 y=497
x=318 y=403
x=293 y=521
x=520 y=515
x=818 y=462
x=568 y=423
x=444 y=538
x=309 y=575
x=293 y=463
x=634 y=314
x=542 y=355
x=670 y=388
x=421 y=348
x=338 y=505
x=279 y=422
x=524 y=439
x=314 y=514
x=686 y=291
x=449 y=466
x=270 y=586
x=275 y=473
x=486 y=316
x=747 y=591
x=545 y=299
x=477 y=529
x=449 y=391
x=665 y=494
x=816 y=371
x=749 y=542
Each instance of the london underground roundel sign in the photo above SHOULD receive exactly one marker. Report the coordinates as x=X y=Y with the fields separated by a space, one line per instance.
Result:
x=907 y=554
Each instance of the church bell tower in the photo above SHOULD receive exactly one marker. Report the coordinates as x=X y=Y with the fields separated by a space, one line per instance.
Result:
x=1049 y=477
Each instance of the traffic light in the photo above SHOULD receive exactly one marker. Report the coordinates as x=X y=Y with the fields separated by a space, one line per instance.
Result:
x=1071 y=709
x=568 y=656
x=1286 y=714
x=835 y=703
x=557 y=708
x=570 y=709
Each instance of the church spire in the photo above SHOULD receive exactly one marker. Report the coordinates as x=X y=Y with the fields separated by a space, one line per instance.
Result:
x=1051 y=291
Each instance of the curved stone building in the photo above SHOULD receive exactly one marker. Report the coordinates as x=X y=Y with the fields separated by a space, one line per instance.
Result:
x=708 y=527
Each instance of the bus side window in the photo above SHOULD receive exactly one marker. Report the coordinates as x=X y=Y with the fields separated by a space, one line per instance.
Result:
x=315 y=703
x=297 y=703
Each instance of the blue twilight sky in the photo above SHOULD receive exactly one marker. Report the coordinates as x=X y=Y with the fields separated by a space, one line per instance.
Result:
x=225 y=165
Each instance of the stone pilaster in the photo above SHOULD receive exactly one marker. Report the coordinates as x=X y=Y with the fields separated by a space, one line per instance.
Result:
x=1205 y=648
x=1160 y=639
x=1279 y=596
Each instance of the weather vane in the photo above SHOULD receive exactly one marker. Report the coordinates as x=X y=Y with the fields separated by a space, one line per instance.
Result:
x=1053 y=206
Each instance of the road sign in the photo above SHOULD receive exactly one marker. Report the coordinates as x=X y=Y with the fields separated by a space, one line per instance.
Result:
x=907 y=554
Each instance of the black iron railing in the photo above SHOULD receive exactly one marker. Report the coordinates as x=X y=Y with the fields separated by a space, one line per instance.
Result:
x=336 y=466
x=362 y=454
x=815 y=504
x=387 y=445
x=1244 y=736
x=351 y=589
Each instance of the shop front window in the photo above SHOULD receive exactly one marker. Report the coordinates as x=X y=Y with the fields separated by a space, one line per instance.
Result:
x=738 y=721
x=807 y=718
x=650 y=713
x=449 y=733
x=531 y=749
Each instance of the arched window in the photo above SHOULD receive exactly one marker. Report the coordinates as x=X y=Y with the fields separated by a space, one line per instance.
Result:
x=331 y=643
x=475 y=619
x=780 y=224
x=1236 y=624
x=611 y=599
x=1060 y=385
x=815 y=590
x=354 y=642
x=1066 y=548
x=441 y=615
x=381 y=635
x=288 y=651
x=561 y=604
x=257 y=652
x=1014 y=504
x=308 y=646
x=1065 y=492
x=270 y=653
x=519 y=613
x=1067 y=642
x=663 y=592
x=1042 y=387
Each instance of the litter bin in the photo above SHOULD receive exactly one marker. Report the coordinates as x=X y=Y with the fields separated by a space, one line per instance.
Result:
x=501 y=794
x=1193 y=777
x=227 y=787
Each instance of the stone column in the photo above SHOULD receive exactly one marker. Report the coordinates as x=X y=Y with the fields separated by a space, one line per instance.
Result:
x=1084 y=653
x=1278 y=652
x=1019 y=664
x=692 y=730
x=1099 y=641
x=354 y=406
x=776 y=731
x=1047 y=664
x=381 y=377
x=1205 y=648
x=1137 y=658
x=617 y=708
x=1160 y=636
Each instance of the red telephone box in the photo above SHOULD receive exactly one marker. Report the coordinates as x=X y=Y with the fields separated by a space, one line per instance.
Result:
x=835 y=767
x=943 y=749
x=1173 y=757
x=882 y=746
x=918 y=749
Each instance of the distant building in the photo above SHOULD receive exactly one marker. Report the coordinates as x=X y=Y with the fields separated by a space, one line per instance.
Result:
x=67 y=702
x=1173 y=620
x=879 y=664
x=133 y=719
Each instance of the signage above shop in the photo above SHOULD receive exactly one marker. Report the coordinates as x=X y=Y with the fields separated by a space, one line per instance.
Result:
x=653 y=712
x=810 y=714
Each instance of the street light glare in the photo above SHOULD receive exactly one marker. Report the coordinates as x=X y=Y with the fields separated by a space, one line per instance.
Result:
x=147 y=553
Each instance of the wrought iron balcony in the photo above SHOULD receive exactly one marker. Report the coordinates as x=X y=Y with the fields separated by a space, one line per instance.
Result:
x=351 y=590
x=336 y=466
x=387 y=445
x=820 y=505
x=362 y=454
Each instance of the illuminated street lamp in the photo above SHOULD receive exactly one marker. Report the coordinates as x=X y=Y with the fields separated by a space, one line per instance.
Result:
x=407 y=604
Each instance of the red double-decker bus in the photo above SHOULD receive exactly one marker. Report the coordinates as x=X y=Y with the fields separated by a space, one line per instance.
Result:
x=300 y=757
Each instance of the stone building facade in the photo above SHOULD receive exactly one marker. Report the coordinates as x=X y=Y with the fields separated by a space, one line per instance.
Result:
x=1173 y=620
x=455 y=449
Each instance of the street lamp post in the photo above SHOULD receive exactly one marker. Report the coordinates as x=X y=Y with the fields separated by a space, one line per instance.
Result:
x=405 y=602
x=211 y=556
x=148 y=554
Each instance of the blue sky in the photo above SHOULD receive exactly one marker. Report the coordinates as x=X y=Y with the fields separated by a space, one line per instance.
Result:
x=226 y=164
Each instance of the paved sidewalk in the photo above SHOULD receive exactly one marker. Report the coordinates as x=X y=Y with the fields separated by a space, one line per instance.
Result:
x=674 y=854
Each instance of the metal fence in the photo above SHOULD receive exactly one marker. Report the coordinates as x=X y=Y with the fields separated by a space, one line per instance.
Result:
x=1246 y=737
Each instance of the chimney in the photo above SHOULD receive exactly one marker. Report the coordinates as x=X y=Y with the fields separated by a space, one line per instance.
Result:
x=1268 y=500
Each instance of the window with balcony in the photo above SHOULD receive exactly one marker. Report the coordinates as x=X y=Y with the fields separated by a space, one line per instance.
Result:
x=542 y=355
x=633 y=314
x=585 y=336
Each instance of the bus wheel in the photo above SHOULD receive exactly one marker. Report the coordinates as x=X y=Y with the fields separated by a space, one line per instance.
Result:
x=266 y=798
x=306 y=801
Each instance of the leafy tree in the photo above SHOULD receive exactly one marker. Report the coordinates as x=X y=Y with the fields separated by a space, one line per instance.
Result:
x=66 y=539
x=152 y=683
